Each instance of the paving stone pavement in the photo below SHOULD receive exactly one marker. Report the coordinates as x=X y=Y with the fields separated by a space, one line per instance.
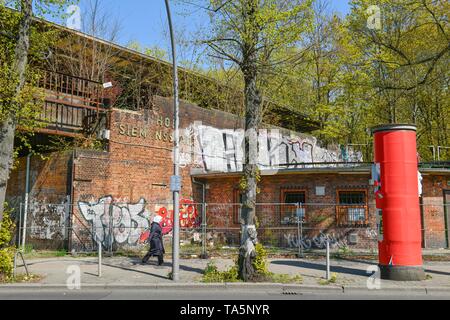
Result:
x=124 y=271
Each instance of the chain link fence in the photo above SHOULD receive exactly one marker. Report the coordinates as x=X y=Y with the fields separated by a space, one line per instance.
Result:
x=212 y=229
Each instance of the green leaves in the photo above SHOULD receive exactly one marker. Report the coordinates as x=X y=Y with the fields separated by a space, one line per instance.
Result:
x=24 y=106
x=6 y=251
x=7 y=228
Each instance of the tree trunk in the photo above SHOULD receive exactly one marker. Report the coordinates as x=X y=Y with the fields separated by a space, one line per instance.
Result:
x=8 y=127
x=253 y=101
x=248 y=229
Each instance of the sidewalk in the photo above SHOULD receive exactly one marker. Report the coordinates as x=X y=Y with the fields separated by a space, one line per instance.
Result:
x=123 y=272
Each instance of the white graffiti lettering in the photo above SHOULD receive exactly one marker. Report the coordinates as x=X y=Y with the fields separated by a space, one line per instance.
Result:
x=118 y=223
x=222 y=150
x=318 y=242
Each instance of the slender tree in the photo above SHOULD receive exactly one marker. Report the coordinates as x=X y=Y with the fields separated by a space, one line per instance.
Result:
x=16 y=33
x=256 y=36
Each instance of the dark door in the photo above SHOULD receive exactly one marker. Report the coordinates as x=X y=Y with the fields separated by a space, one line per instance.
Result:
x=422 y=220
x=447 y=215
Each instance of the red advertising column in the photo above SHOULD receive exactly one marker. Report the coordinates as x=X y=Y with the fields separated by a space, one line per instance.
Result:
x=397 y=197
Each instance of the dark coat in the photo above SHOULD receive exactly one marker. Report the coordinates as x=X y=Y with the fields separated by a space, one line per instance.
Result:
x=155 y=240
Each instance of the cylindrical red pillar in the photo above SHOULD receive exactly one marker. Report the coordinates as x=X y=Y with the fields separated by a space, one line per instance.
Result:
x=397 y=196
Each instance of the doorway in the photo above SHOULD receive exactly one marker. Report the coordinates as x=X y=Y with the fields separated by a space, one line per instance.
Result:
x=447 y=216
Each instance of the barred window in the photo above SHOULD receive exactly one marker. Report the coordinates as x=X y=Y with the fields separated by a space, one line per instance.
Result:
x=289 y=209
x=294 y=197
x=352 y=197
x=352 y=207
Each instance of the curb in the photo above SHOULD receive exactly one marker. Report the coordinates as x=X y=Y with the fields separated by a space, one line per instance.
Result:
x=387 y=290
x=282 y=288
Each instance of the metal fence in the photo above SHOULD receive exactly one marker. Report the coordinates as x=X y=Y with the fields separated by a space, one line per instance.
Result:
x=212 y=229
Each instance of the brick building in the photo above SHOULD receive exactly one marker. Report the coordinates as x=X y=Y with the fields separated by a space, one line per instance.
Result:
x=111 y=193
x=81 y=193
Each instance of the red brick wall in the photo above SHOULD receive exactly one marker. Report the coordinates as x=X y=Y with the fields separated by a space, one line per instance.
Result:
x=433 y=210
x=320 y=210
x=223 y=190
x=49 y=190
x=138 y=165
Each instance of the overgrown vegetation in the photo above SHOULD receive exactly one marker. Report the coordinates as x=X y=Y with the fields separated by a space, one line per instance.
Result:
x=213 y=275
x=343 y=252
x=6 y=250
x=23 y=43
x=332 y=280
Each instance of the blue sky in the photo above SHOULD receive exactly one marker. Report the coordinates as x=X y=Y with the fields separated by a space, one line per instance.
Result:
x=144 y=21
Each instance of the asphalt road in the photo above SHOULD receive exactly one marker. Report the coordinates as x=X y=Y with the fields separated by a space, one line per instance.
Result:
x=200 y=294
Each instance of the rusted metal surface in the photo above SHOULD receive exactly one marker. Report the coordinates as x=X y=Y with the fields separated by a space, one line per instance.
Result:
x=72 y=106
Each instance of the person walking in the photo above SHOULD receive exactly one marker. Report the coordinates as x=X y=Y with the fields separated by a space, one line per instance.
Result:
x=156 y=242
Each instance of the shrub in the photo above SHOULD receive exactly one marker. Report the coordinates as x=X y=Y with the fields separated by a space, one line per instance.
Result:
x=6 y=263
x=260 y=261
x=333 y=279
x=213 y=275
x=6 y=251
x=7 y=228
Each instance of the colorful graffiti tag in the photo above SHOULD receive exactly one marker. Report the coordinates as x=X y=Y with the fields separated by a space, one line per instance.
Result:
x=124 y=224
x=189 y=217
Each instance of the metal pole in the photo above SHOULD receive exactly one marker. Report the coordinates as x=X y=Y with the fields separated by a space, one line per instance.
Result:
x=204 y=253
x=99 y=258
x=19 y=240
x=298 y=231
x=176 y=193
x=299 y=214
x=27 y=194
x=302 y=255
x=328 y=260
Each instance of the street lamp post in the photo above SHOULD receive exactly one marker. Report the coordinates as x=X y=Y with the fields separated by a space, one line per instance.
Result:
x=175 y=184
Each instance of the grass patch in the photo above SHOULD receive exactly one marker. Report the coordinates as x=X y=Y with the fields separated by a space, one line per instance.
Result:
x=61 y=253
x=261 y=266
x=285 y=278
x=42 y=254
x=28 y=249
x=343 y=252
x=333 y=280
x=129 y=253
x=21 y=278
x=213 y=275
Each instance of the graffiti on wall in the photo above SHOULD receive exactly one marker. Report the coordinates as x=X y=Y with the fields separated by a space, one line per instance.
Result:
x=189 y=217
x=221 y=150
x=45 y=220
x=112 y=222
x=123 y=223
x=48 y=221
x=317 y=242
